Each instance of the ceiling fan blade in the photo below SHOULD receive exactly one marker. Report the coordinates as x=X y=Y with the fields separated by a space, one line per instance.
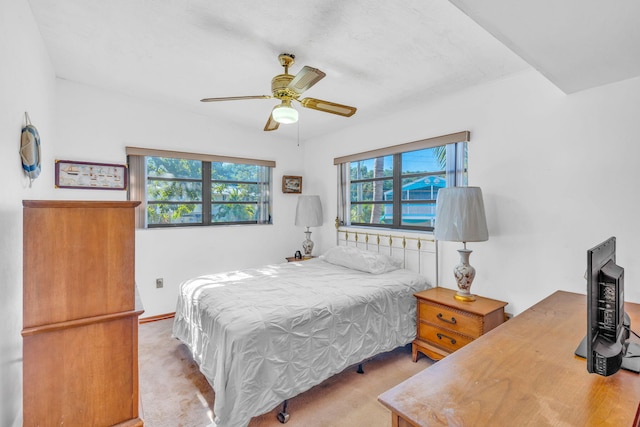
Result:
x=306 y=78
x=328 y=107
x=271 y=124
x=235 y=98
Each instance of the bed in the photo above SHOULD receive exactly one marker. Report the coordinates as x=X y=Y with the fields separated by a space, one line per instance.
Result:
x=264 y=335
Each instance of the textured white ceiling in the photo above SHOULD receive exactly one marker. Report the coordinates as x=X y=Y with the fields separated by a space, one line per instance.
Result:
x=576 y=44
x=378 y=55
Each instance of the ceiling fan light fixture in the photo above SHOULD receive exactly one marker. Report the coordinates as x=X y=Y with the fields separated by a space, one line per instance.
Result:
x=285 y=113
x=286 y=88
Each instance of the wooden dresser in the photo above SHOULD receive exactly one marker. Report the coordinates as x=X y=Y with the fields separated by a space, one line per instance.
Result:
x=80 y=322
x=524 y=373
x=446 y=324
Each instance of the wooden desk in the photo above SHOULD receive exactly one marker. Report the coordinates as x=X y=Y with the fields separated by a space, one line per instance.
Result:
x=522 y=373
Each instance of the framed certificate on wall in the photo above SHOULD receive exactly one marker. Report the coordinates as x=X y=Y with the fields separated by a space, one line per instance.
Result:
x=97 y=176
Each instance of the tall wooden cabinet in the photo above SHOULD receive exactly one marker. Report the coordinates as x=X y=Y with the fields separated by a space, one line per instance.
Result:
x=80 y=321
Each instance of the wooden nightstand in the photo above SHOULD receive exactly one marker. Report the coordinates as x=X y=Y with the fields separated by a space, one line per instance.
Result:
x=294 y=259
x=446 y=324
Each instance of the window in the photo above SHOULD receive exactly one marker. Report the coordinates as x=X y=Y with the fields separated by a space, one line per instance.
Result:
x=397 y=187
x=185 y=189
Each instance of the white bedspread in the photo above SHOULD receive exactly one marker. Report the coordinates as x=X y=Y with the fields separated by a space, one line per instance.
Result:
x=261 y=336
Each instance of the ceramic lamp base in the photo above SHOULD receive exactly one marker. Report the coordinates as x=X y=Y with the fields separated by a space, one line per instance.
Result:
x=307 y=245
x=464 y=274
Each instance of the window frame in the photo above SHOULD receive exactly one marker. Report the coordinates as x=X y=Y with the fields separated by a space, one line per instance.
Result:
x=137 y=160
x=455 y=173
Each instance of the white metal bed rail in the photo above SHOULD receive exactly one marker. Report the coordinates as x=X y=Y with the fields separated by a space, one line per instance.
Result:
x=414 y=249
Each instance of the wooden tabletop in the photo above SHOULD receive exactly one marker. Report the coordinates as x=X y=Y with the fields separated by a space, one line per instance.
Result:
x=522 y=373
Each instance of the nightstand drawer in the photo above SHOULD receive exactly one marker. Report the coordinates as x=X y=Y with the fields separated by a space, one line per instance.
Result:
x=441 y=337
x=445 y=317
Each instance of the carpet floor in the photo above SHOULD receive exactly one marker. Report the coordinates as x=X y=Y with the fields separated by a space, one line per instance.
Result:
x=175 y=394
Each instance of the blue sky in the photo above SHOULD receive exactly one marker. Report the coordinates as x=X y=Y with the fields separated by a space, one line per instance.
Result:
x=414 y=161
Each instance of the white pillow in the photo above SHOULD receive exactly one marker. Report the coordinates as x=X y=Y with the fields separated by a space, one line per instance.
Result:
x=358 y=259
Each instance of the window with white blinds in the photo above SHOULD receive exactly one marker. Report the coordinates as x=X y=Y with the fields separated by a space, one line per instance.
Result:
x=180 y=189
x=397 y=186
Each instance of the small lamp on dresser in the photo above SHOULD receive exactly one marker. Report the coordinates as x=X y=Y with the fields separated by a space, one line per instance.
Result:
x=308 y=214
x=460 y=217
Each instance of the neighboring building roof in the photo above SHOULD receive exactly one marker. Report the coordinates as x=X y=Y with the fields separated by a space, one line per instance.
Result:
x=425 y=182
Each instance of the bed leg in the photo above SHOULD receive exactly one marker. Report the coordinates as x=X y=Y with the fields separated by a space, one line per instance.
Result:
x=283 y=416
x=360 y=370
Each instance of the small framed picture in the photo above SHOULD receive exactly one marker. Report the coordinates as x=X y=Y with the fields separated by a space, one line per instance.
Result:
x=291 y=184
x=96 y=176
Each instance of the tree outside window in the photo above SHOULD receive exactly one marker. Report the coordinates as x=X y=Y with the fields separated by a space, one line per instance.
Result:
x=400 y=190
x=195 y=192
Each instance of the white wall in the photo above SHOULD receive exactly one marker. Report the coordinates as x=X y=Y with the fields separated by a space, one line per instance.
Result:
x=558 y=175
x=97 y=125
x=27 y=83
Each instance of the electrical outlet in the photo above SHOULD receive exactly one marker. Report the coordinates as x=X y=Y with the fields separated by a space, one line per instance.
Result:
x=159 y=282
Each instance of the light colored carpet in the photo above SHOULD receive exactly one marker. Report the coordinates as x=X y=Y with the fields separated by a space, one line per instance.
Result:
x=175 y=394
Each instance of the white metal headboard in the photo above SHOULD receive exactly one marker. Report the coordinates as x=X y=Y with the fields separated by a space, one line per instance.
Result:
x=418 y=251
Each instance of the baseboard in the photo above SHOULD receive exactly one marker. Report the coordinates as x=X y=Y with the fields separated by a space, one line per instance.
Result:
x=156 y=318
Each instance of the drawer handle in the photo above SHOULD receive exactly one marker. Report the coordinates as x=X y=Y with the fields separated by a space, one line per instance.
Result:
x=453 y=320
x=440 y=336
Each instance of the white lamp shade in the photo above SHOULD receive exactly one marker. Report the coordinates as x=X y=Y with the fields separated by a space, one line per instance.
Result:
x=460 y=215
x=285 y=113
x=309 y=211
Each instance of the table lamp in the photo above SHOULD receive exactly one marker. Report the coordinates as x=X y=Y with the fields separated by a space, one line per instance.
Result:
x=308 y=214
x=460 y=217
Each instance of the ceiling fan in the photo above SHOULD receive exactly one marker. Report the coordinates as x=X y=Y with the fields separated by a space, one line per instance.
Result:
x=287 y=88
